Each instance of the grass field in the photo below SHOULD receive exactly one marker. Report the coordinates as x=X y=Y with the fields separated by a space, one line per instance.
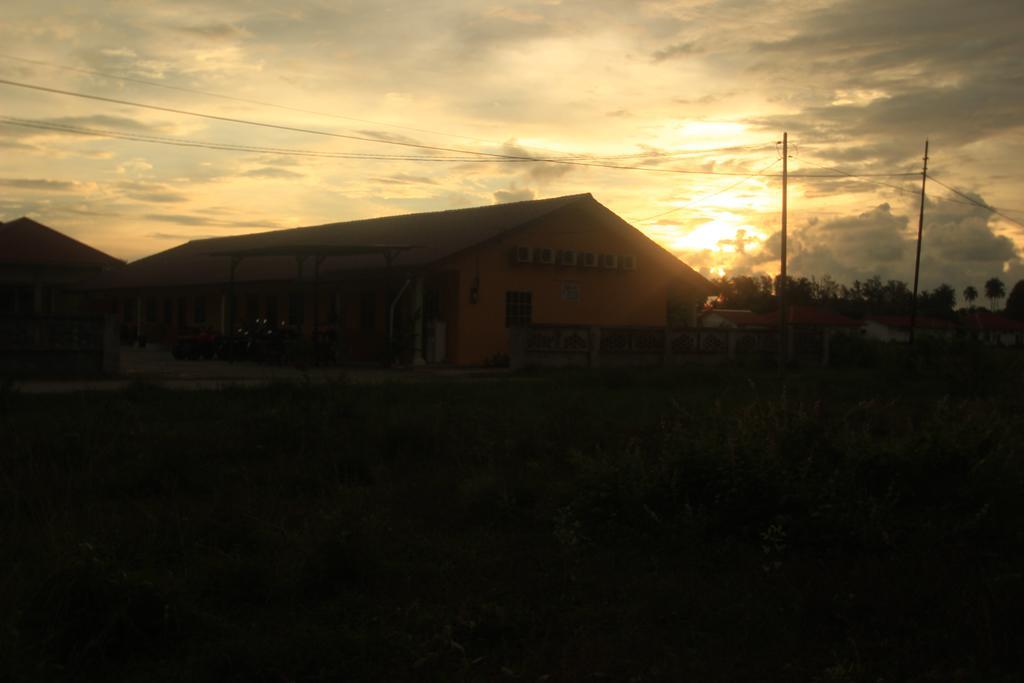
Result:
x=705 y=525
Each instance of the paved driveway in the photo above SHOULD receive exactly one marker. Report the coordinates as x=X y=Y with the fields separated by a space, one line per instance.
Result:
x=156 y=365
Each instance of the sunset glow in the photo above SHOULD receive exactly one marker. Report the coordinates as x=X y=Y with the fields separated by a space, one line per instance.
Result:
x=671 y=119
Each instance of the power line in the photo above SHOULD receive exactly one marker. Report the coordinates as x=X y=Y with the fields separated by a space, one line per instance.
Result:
x=360 y=138
x=208 y=93
x=975 y=202
x=232 y=98
x=203 y=144
x=709 y=196
x=182 y=142
x=310 y=131
x=860 y=176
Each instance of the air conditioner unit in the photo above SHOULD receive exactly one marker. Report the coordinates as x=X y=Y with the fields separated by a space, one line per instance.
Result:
x=627 y=262
x=609 y=261
x=545 y=255
x=523 y=255
x=589 y=259
x=567 y=258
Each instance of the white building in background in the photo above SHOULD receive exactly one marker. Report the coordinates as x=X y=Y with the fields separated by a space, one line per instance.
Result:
x=896 y=328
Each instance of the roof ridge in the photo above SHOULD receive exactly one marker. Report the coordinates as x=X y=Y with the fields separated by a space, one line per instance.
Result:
x=64 y=236
x=483 y=207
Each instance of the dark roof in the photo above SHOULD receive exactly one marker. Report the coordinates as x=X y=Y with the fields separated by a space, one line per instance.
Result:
x=26 y=242
x=902 y=322
x=432 y=236
x=985 y=321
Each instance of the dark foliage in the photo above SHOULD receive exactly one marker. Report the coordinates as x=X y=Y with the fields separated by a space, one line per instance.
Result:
x=702 y=524
x=1015 y=302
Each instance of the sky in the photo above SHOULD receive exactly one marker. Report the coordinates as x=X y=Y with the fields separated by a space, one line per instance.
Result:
x=418 y=106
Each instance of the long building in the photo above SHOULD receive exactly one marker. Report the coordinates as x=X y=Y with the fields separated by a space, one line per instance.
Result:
x=440 y=287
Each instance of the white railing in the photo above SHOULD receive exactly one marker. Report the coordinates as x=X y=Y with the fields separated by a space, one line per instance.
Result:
x=591 y=346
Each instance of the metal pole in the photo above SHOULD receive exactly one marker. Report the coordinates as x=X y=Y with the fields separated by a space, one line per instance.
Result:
x=317 y=260
x=230 y=332
x=917 y=261
x=783 y=345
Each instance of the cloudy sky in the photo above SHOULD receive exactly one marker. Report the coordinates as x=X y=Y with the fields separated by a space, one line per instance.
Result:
x=690 y=97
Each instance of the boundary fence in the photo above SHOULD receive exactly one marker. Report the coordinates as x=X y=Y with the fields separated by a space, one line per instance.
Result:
x=59 y=346
x=589 y=346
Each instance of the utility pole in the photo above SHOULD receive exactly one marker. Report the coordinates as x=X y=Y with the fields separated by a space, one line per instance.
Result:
x=917 y=261
x=781 y=293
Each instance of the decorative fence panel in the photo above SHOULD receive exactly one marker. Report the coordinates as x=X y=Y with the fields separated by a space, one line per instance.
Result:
x=562 y=346
x=58 y=346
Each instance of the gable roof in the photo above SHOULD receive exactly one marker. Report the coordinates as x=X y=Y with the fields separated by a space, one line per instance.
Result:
x=425 y=238
x=26 y=242
x=902 y=322
x=986 y=321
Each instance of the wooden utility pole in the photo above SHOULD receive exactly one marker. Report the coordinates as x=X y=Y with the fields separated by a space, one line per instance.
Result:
x=917 y=261
x=781 y=293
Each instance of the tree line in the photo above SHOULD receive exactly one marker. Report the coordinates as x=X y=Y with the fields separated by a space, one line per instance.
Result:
x=869 y=297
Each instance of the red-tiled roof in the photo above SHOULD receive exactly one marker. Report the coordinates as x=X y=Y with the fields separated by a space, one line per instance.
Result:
x=434 y=235
x=984 y=321
x=26 y=242
x=902 y=322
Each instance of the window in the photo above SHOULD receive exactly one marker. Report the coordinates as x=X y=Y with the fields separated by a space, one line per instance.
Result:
x=182 y=311
x=296 y=309
x=545 y=255
x=571 y=291
x=150 y=310
x=129 y=310
x=252 y=307
x=524 y=255
x=628 y=262
x=368 y=310
x=567 y=258
x=518 y=308
x=609 y=261
x=199 y=311
x=168 y=312
x=431 y=304
x=336 y=314
x=589 y=259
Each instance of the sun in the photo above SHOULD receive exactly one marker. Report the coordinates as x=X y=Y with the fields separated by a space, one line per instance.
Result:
x=723 y=232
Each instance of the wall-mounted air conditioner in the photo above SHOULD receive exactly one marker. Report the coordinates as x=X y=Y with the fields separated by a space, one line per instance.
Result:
x=589 y=259
x=523 y=255
x=544 y=255
x=567 y=258
x=627 y=262
x=609 y=261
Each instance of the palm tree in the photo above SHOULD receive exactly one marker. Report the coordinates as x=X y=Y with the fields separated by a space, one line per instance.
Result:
x=994 y=289
x=970 y=295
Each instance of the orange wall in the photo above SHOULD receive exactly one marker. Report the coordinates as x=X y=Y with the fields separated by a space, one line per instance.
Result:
x=606 y=297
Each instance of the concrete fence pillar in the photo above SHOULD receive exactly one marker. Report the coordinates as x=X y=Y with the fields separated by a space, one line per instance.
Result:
x=517 y=347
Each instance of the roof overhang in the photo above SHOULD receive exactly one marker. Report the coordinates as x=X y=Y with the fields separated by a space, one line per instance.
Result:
x=388 y=251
